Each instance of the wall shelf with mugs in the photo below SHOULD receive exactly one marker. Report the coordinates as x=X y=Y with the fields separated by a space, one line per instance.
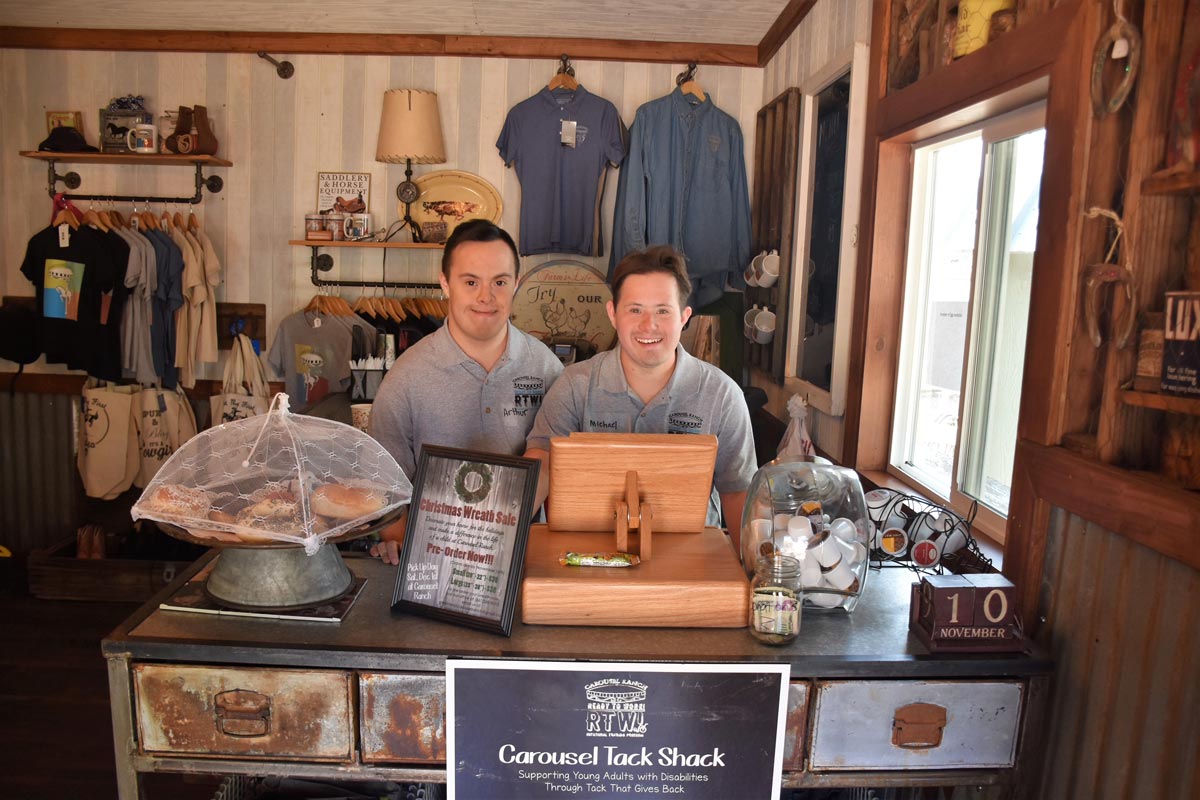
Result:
x=323 y=262
x=71 y=180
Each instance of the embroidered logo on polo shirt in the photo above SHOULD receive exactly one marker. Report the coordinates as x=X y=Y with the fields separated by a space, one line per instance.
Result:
x=714 y=142
x=581 y=132
x=683 y=422
x=528 y=392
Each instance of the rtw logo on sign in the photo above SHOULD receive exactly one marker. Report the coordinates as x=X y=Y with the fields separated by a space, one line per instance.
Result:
x=616 y=708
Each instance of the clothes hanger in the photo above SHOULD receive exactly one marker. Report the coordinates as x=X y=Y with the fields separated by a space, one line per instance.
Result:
x=395 y=311
x=686 y=81
x=180 y=223
x=565 y=77
x=64 y=216
x=193 y=221
x=90 y=217
x=360 y=305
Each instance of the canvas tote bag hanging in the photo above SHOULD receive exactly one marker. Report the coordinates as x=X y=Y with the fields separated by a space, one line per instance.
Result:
x=244 y=389
x=108 y=455
x=164 y=422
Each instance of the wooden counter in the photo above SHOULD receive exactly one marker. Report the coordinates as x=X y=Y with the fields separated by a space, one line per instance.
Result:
x=379 y=664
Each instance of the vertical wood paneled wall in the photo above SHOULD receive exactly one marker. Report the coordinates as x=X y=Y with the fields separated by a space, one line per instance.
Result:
x=821 y=44
x=280 y=133
x=1121 y=622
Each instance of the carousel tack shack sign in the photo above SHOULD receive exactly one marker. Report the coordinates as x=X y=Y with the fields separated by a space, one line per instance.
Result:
x=607 y=730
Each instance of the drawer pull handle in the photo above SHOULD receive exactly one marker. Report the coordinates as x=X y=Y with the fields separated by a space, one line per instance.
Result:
x=241 y=712
x=918 y=726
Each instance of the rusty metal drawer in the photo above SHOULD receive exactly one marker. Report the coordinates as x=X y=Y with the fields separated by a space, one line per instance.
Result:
x=795 y=727
x=915 y=724
x=403 y=717
x=248 y=713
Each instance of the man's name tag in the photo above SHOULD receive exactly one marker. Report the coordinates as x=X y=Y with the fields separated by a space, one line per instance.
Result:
x=567 y=134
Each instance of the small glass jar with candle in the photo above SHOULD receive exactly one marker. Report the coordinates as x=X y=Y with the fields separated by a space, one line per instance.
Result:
x=775 y=600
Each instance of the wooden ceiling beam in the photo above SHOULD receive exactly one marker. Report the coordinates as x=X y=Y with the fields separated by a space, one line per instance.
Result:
x=791 y=16
x=376 y=44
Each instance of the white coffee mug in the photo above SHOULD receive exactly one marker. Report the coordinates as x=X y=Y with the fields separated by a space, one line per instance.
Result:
x=764 y=327
x=748 y=322
x=357 y=226
x=770 y=270
x=142 y=138
x=754 y=270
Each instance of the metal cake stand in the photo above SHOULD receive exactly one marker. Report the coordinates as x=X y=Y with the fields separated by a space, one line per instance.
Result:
x=279 y=576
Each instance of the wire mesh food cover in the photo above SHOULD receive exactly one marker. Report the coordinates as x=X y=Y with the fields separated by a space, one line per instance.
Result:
x=275 y=478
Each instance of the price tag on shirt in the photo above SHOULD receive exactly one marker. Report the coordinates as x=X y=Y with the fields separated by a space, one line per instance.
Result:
x=567 y=133
x=64 y=235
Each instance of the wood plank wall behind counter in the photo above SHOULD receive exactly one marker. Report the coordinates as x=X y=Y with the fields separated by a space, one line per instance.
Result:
x=279 y=134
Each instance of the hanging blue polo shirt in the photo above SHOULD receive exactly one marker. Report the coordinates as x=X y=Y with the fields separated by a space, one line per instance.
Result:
x=561 y=185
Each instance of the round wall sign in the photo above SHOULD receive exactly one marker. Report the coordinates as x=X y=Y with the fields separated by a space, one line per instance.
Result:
x=563 y=303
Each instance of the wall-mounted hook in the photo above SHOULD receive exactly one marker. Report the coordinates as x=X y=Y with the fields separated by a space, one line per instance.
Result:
x=284 y=69
x=686 y=75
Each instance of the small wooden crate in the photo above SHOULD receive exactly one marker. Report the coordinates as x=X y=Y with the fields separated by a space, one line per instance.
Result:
x=56 y=574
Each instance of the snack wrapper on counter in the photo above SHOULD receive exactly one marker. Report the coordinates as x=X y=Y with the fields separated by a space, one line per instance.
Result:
x=276 y=478
x=599 y=560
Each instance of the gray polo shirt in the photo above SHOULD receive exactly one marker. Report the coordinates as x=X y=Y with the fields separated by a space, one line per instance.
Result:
x=594 y=396
x=437 y=394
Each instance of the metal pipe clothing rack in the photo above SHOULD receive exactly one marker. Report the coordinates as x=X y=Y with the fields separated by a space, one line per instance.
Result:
x=71 y=180
x=323 y=262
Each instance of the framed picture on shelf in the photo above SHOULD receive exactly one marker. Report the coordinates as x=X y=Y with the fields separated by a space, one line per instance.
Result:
x=115 y=124
x=464 y=545
x=347 y=192
x=64 y=119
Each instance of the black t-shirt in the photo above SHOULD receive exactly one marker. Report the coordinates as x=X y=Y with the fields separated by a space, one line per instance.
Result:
x=105 y=358
x=70 y=281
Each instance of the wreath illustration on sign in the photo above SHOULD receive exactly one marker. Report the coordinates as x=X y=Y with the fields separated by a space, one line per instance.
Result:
x=473 y=482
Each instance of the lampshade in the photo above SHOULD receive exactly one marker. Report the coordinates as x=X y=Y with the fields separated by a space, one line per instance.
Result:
x=410 y=128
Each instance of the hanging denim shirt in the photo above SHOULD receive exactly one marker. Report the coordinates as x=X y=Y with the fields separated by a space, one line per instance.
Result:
x=684 y=184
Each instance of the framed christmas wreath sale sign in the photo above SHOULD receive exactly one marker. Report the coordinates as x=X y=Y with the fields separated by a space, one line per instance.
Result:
x=464 y=546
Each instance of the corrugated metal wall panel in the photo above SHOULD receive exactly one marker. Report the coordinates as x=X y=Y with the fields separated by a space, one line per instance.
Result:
x=1120 y=621
x=38 y=490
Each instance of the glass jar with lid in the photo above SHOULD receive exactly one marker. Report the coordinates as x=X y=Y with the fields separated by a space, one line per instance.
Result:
x=775 y=600
x=816 y=511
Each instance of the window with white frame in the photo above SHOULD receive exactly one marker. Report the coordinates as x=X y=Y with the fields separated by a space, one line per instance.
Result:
x=972 y=235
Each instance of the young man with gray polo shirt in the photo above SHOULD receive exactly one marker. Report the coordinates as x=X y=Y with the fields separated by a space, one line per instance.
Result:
x=475 y=383
x=650 y=384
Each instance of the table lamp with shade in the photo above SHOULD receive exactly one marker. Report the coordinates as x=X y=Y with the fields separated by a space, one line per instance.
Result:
x=410 y=130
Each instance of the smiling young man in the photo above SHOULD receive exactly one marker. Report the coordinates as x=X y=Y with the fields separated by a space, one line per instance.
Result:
x=649 y=384
x=478 y=381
